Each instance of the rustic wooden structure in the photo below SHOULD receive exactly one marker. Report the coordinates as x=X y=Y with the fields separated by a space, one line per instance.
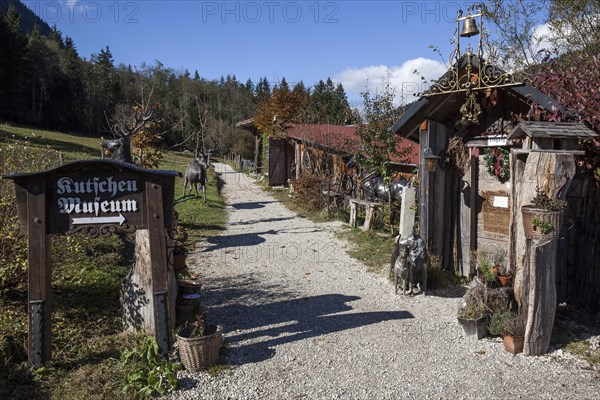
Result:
x=249 y=126
x=466 y=201
x=546 y=162
x=370 y=209
x=98 y=197
x=462 y=205
x=322 y=149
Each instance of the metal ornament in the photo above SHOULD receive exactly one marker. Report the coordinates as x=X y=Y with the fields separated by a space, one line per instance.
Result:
x=470 y=72
x=469 y=28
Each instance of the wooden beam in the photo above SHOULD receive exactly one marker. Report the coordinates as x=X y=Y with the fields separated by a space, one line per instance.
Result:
x=158 y=260
x=39 y=275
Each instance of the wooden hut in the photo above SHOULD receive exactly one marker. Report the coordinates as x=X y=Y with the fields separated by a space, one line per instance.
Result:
x=465 y=192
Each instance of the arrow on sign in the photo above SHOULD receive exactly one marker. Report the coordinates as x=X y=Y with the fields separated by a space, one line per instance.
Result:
x=99 y=220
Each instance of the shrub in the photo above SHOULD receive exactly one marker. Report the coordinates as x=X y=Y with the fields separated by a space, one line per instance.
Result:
x=16 y=157
x=307 y=191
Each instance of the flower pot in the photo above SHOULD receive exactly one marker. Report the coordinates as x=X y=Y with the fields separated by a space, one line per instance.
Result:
x=475 y=329
x=504 y=280
x=552 y=218
x=179 y=262
x=199 y=353
x=185 y=286
x=513 y=344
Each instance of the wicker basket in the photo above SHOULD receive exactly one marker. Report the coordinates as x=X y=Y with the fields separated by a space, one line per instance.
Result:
x=546 y=216
x=199 y=353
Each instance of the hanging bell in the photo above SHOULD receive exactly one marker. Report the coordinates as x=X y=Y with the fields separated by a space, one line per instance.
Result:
x=469 y=28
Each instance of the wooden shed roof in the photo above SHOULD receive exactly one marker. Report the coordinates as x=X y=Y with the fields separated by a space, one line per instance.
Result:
x=248 y=125
x=553 y=130
x=445 y=108
x=344 y=139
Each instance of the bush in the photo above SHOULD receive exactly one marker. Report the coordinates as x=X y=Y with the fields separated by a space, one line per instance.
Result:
x=307 y=191
x=16 y=157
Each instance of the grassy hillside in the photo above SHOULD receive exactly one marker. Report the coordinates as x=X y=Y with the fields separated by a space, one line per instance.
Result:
x=89 y=347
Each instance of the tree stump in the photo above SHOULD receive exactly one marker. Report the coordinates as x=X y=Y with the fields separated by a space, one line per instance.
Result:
x=534 y=261
x=542 y=297
x=136 y=291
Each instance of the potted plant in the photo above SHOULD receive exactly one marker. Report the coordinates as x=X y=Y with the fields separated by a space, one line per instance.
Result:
x=179 y=257
x=473 y=312
x=512 y=329
x=542 y=218
x=199 y=344
x=503 y=275
x=485 y=266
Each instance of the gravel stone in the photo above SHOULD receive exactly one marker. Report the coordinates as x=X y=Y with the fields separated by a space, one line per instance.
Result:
x=303 y=320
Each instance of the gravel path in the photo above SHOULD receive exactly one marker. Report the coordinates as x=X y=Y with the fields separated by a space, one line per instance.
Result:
x=303 y=320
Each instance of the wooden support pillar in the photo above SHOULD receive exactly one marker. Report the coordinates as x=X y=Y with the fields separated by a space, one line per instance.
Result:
x=353 y=214
x=535 y=261
x=39 y=276
x=542 y=297
x=158 y=260
x=369 y=218
x=407 y=212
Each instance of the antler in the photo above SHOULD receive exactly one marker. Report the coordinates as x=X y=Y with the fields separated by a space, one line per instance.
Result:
x=141 y=117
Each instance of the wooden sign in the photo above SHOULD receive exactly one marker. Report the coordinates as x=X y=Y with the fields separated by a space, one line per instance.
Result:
x=97 y=197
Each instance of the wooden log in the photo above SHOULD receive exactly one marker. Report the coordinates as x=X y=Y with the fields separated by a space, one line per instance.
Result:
x=369 y=218
x=534 y=262
x=542 y=297
x=353 y=213
x=546 y=171
x=136 y=291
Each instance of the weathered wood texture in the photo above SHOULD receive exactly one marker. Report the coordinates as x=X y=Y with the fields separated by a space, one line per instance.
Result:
x=535 y=261
x=407 y=212
x=543 y=170
x=136 y=292
x=541 y=297
x=39 y=276
x=370 y=209
x=578 y=273
x=438 y=222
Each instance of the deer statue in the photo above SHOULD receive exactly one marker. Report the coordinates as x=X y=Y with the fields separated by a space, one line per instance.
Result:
x=195 y=174
x=120 y=148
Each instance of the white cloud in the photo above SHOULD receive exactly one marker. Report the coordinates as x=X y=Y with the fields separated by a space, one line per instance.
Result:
x=541 y=37
x=402 y=78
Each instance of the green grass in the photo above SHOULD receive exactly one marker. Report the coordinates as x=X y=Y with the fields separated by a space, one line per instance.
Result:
x=372 y=249
x=86 y=279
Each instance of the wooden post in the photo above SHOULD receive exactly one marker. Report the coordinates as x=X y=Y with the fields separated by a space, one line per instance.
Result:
x=407 y=212
x=369 y=217
x=353 y=213
x=535 y=261
x=542 y=297
x=39 y=276
x=158 y=260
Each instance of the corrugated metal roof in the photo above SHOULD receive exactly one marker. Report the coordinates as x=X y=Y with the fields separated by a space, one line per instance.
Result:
x=554 y=130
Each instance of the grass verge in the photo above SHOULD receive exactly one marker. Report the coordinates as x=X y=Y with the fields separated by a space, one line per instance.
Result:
x=88 y=340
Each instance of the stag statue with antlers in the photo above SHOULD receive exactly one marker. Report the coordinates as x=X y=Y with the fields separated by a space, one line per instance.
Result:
x=124 y=129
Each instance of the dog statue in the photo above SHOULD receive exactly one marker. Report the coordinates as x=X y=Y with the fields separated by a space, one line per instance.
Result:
x=409 y=263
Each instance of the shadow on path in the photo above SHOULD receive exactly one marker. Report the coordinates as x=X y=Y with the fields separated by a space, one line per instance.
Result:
x=286 y=321
x=256 y=221
x=240 y=240
x=253 y=205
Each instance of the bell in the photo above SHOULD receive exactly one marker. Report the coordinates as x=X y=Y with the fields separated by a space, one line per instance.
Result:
x=469 y=28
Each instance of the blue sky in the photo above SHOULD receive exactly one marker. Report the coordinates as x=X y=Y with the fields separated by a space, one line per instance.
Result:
x=353 y=42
